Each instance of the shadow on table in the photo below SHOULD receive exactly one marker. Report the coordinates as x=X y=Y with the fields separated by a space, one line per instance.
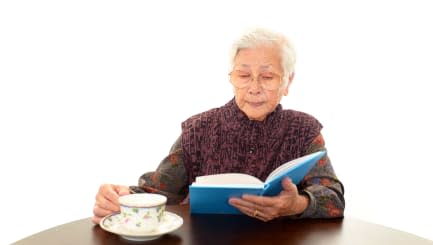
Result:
x=241 y=229
x=102 y=237
x=207 y=229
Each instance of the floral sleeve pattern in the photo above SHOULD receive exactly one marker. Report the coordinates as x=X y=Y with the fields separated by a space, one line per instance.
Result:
x=321 y=185
x=169 y=179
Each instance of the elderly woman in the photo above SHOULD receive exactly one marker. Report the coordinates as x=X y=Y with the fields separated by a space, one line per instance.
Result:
x=250 y=134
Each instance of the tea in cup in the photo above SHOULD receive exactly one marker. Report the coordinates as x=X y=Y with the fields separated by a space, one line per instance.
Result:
x=142 y=212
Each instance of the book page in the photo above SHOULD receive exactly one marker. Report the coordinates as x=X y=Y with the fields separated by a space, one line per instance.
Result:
x=288 y=165
x=227 y=179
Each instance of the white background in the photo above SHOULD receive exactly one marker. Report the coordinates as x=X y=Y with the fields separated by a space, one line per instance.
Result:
x=94 y=92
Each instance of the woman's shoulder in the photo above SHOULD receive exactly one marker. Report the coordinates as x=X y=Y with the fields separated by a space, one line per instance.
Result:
x=297 y=114
x=301 y=125
x=300 y=118
x=202 y=117
x=211 y=115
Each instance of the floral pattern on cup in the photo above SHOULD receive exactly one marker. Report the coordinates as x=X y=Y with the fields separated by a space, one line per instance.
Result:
x=142 y=212
x=143 y=218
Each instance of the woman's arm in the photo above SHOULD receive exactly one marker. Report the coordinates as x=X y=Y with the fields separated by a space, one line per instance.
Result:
x=169 y=179
x=319 y=195
x=322 y=187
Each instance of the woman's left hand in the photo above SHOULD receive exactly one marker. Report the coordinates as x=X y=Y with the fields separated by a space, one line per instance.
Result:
x=288 y=202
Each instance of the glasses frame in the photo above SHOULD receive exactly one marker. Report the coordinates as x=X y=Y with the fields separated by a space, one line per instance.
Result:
x=256 y=78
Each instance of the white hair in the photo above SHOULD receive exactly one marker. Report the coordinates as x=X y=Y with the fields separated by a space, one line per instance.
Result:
x=258 y=36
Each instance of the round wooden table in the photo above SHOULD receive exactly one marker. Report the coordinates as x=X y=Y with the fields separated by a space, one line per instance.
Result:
x=235 y=229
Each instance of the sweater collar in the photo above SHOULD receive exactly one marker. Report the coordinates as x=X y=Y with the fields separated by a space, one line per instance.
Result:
x=235 y=114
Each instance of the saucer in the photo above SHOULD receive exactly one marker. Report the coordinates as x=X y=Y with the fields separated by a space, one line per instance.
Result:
x=169 y=223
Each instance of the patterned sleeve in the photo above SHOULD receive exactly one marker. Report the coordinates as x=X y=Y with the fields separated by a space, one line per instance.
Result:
x=321 y=185
x=169 y=179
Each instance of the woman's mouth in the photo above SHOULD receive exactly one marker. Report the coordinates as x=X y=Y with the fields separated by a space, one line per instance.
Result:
x=256 y=104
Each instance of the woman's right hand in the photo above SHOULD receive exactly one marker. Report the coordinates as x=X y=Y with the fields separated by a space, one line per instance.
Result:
x=107 y=200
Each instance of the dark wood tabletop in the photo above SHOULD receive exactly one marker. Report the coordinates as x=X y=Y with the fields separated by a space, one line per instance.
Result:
x=235 y=229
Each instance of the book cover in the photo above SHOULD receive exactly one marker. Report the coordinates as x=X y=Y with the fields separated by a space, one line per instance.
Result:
x=210 y=193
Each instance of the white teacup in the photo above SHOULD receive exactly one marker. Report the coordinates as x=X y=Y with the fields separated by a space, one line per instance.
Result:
x=142 y=212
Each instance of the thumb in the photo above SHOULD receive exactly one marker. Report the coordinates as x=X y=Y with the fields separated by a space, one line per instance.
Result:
x=121 y=190
x=288 y=187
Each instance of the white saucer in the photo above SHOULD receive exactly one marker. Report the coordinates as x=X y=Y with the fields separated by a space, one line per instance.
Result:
x=170 y=222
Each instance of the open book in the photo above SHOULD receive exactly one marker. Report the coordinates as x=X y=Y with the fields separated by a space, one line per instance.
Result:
x=210 y=193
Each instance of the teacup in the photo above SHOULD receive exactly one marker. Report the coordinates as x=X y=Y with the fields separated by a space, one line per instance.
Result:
x=142 y=212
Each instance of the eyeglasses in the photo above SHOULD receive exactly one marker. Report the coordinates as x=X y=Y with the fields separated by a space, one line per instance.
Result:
x=243 y=79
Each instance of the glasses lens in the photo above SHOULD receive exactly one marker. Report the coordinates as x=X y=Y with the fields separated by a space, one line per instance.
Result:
x=268 y=80
x=240 y=79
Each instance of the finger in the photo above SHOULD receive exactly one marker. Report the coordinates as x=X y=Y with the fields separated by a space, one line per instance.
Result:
x=107 y=198
x=103 y=203
x=240 y=203
x=252 y=210
x=96 y=220
x=288 y=187
x=259 y=215
x=121 y=190
x=255 y=213
x=109 y=192
x=260 y=201
x=263 y=216
x=99 y=213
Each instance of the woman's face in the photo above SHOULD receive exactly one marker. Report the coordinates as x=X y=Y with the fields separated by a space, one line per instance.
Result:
x=258 y=65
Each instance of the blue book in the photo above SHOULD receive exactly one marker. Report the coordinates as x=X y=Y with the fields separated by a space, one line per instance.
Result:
x=210 y=194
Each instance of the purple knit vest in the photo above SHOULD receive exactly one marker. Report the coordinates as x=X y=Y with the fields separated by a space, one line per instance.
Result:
x=224 y=140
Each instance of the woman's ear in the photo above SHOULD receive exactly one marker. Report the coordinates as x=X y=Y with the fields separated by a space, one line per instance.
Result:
x=286 y=89
x=291 y=77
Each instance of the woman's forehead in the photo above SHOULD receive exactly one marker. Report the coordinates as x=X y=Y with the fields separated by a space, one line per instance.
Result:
x=258 y=58
x=259 y=67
